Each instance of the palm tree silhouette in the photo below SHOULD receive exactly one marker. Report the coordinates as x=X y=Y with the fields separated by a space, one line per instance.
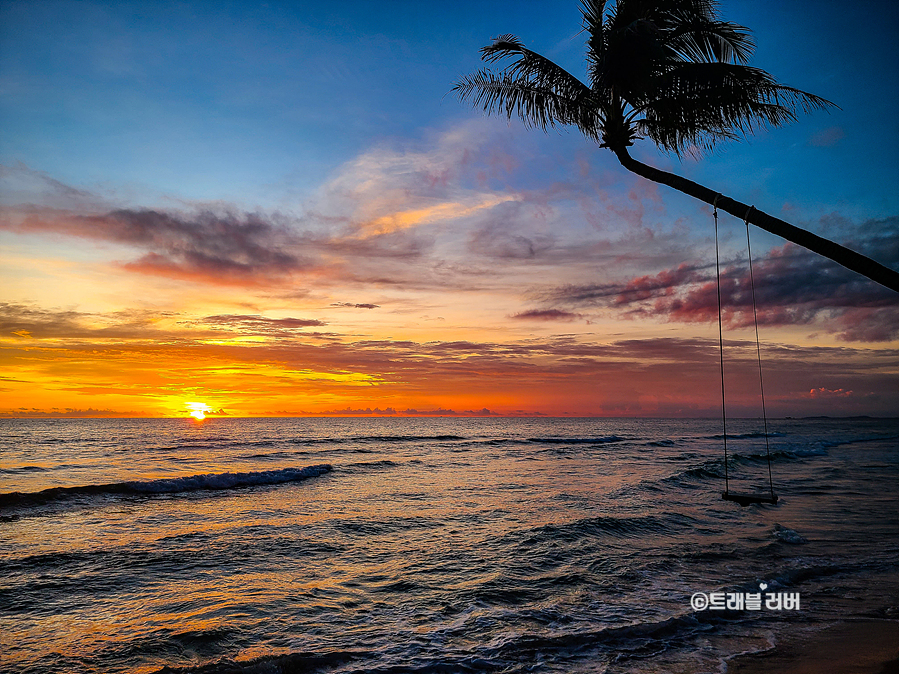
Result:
x=668 y=70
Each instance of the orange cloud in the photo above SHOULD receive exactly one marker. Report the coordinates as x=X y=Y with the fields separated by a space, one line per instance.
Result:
x=264 y=365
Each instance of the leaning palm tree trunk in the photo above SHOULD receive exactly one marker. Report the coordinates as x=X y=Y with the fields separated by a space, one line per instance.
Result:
x=850 y=259
x=670 y=71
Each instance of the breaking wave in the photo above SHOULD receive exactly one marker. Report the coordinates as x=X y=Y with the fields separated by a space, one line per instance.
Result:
x=172 y=485
x=579 y=441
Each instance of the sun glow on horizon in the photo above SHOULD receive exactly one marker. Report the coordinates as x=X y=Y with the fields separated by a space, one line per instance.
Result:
x=198 y=410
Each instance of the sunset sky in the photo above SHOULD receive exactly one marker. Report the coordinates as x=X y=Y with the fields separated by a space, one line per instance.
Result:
x=278 y=208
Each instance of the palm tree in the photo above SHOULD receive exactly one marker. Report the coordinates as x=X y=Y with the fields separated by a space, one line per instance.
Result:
x=668 y=70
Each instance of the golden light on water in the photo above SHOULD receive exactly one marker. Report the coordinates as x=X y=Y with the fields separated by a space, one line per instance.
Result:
x=198 y=410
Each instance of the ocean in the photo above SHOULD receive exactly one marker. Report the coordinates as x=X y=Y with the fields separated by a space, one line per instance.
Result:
x=420 y=545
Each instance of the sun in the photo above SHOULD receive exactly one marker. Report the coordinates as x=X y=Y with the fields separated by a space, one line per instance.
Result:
x=198 y=410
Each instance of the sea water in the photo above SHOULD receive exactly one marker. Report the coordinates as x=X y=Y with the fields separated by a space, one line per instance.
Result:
x=433 y=545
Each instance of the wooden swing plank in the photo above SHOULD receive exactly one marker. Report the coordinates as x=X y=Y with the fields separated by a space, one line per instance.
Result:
x=748 y=499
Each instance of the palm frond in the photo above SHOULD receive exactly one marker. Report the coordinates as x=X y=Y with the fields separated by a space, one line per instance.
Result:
x=534 y=68
x=593 y=11
x=728 y=82
x=669 y=135
x=502 y=46
x=699 y=40
x=538 y=91
x=670 y=70
x=700 y=104
x=536 y=105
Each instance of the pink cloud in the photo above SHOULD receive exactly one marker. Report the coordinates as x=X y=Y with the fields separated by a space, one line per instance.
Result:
x=792 y=287
x=829 y=393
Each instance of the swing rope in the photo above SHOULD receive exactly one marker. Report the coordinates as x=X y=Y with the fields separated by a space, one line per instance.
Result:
x=758 y=350
x=720 y=342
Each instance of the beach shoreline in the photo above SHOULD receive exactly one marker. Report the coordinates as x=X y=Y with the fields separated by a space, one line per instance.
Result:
x=857 y=647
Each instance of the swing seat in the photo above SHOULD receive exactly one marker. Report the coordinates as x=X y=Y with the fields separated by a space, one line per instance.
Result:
x=748 y=499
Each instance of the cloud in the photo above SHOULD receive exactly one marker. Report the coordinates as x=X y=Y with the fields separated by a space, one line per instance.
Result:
x=231 y=248
x=258 y=325
x=448 y=210
x=793 y=286
x=24 y=185
x=433 y=214
x=397 y=187
x=672 y=376
x=373 y=223
x=829 y=393
x=68 y=412
x=377 y=411
x=25 y=322
x=547 y=315
x=412 y=412
x=220 y=247
x=350 y=305
x=208 y=412
x=495 y=240
x=827 y=137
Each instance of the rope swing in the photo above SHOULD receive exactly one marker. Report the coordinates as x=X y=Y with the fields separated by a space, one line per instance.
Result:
x=727 y=494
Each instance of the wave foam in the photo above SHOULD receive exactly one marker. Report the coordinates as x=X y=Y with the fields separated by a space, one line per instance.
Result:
x=173 y=485
x=579 y=441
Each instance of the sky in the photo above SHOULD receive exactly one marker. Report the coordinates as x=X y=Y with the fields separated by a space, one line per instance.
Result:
x=280 y=209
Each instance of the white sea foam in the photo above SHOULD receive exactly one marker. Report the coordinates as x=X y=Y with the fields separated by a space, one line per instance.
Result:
x=226 y=480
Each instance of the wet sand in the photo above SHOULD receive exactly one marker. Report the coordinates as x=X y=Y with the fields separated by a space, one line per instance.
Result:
x=866 y=647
